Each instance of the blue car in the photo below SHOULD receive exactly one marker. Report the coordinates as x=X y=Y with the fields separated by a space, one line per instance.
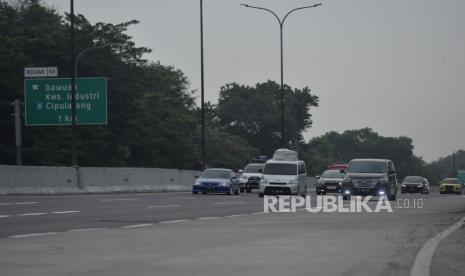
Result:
x=217 y=181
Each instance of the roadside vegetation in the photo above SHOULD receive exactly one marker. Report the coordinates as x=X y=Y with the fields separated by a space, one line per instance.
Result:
x=154 y=120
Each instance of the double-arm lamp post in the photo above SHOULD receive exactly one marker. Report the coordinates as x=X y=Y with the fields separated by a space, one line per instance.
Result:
x=281 y=23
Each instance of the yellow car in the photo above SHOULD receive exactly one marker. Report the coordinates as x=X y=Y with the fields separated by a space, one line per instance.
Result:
x=450 y=185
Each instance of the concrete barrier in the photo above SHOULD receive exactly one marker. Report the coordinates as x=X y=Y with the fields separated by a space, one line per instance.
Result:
x=28 y=180
x=16 y=180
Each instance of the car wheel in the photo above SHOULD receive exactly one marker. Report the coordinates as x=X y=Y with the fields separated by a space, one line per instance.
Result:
x=318 y=193
x=230 y=191
x=392 y=197
x=204 y=193
x=236 y=192
x=248 y=190
x=345 y=197
x=441 y=193
x=195 y=193
x=261 y=195
x=242 y=190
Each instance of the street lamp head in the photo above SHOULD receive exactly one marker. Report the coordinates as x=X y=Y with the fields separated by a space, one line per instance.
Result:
x=316 y=5
x=245 y=5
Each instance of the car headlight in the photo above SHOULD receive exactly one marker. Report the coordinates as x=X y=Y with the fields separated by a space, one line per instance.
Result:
x=197 y=182
x=340 y=183
x=293 y=182
x=403 y=185
x=224 y=184
x=420 y=185
x=243 y=176
x=263 y=181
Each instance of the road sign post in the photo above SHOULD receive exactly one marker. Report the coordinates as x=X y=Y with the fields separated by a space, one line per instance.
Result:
x=48 y=101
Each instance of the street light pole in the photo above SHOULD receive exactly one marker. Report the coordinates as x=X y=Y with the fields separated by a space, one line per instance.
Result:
x=281 y=24
x=82 y=53
x=202 y=88
x=73 y=91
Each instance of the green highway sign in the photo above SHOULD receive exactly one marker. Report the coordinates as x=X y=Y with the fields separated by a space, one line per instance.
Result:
x=48 y=101
x=461 y=176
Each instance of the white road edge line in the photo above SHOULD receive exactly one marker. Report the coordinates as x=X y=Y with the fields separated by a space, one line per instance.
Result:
x=165 y=206
x=422 y=264
x=65 y=212
x=138 y=225
x=257 y=213
x=31 y=214
x=33 y=235
x=5 y=216
x=184 y=197
x=87 y=229
x=27 y=203
x=175 y=221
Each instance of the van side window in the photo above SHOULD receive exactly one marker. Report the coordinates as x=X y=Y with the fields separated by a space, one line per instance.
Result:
x=301 y=168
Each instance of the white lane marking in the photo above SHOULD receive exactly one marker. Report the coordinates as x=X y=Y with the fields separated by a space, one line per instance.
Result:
x=33 y=235
x=184 y=197
x=235 y=216
x=165 y=206
x=65 y=212
x=31 y=214
x=119 y=199
x=175 y=221
x=138 y=225
x=463 y=196
x=258 y=213
x=87 y=229
x=205 y=218
x=18 y=203
x=27 y=203
x=5 y=216
x=231 y=202
x=422 y=264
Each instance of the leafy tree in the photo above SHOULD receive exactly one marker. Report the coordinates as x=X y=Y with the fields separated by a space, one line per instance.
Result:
x=254 y=113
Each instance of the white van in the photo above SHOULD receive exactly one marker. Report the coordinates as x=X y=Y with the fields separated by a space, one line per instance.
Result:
x=285 y=174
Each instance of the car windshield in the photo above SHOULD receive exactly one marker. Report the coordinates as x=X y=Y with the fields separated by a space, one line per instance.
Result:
x=215 y=174
x=366 y=167
x=332 y=174
x=415 y=179
x=450 y=181
x=280 y=169
x=255 y=168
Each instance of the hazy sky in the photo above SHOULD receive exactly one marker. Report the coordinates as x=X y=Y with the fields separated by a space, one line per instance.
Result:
x=396 y=66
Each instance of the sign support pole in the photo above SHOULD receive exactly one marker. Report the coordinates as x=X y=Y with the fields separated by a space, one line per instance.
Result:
x=18 y=132
x=73 y=92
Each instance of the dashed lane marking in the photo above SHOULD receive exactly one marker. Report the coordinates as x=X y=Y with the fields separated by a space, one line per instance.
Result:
x=64 y=212
x=18 y=203
x=31 y=214
x=205 y=218
x=231 y=202
x=138 y=225
x=235 y=216
x=87 y=229
x=33 y=235
x=174 y=221
x=165 y=206
x=119 y=199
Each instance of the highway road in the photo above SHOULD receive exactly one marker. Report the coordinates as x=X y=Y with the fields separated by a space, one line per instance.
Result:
x=185 y=234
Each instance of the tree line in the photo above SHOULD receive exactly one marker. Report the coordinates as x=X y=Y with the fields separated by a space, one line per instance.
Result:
x=153 y=118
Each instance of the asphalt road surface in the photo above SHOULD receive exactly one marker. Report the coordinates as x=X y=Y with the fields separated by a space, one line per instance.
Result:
x=185 y=234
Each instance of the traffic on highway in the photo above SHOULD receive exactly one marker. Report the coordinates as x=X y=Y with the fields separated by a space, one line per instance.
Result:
x=225 y=138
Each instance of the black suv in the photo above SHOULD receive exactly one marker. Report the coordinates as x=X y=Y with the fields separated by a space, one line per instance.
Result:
x=375 y=177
